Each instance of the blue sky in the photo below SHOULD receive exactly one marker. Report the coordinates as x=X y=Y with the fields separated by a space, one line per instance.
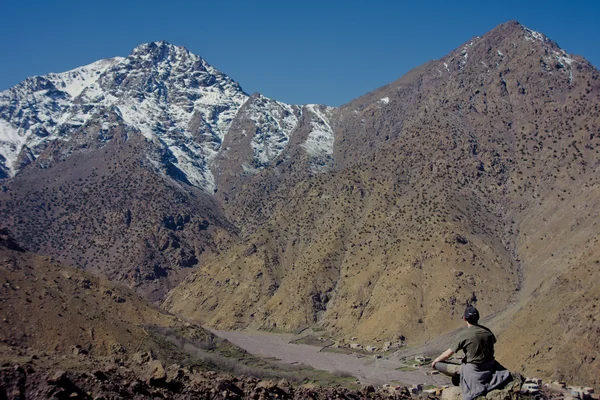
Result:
x=294 y=51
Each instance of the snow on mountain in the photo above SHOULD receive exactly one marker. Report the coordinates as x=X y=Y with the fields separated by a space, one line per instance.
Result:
x=28 y=114
x=76 y=80
x=275 y=122
x=11 y=144
x=174 y=98
x=320 y=140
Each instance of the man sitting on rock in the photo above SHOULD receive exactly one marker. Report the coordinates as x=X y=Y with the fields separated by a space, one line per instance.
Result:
x=479 y=372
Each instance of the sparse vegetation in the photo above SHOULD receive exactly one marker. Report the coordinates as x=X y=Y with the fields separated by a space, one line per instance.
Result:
x=476 y=182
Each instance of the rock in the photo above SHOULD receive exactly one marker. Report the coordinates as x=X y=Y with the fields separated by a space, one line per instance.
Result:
x=269 y=385
x=141 y=357
x=100 y=375
x=285 y=385
x=156 y=373
x=78 y=350
x=226 y=385
x=309 y=386
x=368 y=389
x=251 y=380
x=58 y=377
x=118 y=299
x=452 y=393
x=117 y=348
x=510 y=391
x=137 y=386
x=175 y=372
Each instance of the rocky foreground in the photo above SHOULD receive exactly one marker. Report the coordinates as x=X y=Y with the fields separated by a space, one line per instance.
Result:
x=25 y=381
x=26 y=374
x=114 y=379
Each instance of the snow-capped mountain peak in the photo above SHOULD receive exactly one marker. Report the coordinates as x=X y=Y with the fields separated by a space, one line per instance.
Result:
x=171 y=96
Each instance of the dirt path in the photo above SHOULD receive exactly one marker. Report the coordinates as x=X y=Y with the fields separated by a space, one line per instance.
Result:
x=365 y=368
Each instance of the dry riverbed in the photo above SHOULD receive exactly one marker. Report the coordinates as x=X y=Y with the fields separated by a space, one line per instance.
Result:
x=365 y=368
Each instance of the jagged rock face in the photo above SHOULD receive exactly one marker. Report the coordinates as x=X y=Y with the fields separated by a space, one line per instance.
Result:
x=470 y=179
x=172 y=97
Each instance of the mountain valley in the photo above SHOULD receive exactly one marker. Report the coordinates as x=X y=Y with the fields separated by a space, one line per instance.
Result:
x=471 y=179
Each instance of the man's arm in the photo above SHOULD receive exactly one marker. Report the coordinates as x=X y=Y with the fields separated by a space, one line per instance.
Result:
x=442 y=357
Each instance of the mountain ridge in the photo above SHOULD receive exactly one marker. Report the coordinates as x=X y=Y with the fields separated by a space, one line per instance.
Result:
x=433 y=194
x=379 y=218
x=166 y=93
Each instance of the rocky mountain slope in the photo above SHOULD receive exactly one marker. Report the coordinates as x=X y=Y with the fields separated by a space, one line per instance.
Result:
x=50 y=307
x=114 y=160
x=470 y=179
x=450 y=185
x=65 y=331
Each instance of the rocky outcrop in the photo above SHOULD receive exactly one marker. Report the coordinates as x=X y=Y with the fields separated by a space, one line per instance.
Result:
x=26 y=381
x=509 y=391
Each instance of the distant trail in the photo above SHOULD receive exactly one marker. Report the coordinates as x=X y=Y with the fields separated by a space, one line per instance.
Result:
x=366 y=369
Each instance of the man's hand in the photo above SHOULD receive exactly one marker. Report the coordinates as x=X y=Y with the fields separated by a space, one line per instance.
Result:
x=443 y=357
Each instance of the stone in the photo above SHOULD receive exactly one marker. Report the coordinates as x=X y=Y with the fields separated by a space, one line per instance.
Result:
x=266 y=384
x=100 y=375
x=285 y=385
x=117 y=348
x=78 y=350
x=368 y=389
x=58 y=377
x=451 y=393
x=156 y=372
x=510 y=391
x=141 y=357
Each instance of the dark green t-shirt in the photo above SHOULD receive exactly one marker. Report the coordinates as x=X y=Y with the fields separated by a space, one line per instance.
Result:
x=478 y=344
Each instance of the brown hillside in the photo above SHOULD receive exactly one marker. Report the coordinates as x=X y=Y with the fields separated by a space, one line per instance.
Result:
x=473 y=178
x=107 y=208
x=51 y=307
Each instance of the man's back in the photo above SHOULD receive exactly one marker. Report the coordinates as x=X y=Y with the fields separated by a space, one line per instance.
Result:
x=478 y=344
x=480 y=373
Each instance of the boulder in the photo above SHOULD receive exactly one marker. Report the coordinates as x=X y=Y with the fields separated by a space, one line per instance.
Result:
x=156 y=373
x=268 y=384
x=452 y=393
x=285 y=386
x=57 y=378
x=510 y=391
x=141 y=357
